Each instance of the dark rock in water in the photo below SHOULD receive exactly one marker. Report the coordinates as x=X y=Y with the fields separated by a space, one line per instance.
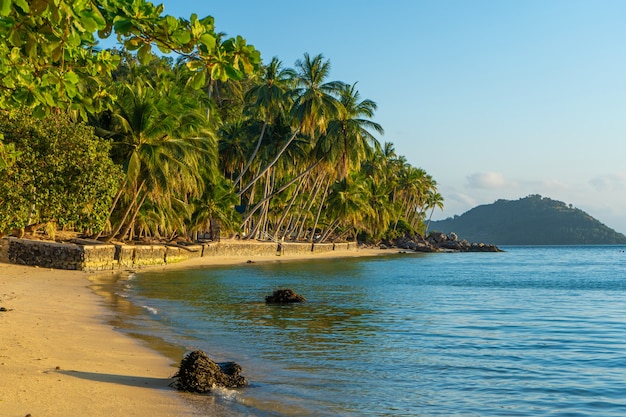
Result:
x=437 y=242
x=283 y=296
x=198 y=373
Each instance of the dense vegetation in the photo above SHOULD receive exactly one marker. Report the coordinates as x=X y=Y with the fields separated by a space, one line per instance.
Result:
x=205 y=134
x=530 y=221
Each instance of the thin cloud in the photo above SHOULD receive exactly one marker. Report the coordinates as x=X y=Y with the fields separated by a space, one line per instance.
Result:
x=609 y=182
x=486 y=180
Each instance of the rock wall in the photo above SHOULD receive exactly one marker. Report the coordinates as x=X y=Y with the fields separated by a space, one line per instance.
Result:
x=102 y=257
x=46 y=254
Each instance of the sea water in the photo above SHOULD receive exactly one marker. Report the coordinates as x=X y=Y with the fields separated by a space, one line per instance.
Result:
x=531 y=331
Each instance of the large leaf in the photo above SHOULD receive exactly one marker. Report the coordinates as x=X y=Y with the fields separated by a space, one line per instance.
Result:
x=5 y=7
x=71 y=77
x=198 y=80
x=144 y=54
x=22 y=4
x=182 y=36
x=207 y=40
x=122 y=25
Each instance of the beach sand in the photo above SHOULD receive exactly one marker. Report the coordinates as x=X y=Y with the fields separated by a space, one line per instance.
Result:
x=59 y=357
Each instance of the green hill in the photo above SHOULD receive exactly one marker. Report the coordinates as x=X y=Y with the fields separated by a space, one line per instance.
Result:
x=533 y=220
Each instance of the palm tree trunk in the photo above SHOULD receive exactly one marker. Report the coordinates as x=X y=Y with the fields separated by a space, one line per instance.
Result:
x=280 y=190
x=319 y=211
x=133 y=217
x=256 y=150
x=271 y=164
x=286 y=211
x=125 y=217
x=317 y=186
x=331 y=228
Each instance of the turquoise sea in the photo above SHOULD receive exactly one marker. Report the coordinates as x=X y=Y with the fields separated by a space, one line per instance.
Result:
x=533 y=331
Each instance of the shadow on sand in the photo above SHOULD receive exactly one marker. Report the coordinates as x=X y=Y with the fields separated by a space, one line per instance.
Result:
x=128 y=380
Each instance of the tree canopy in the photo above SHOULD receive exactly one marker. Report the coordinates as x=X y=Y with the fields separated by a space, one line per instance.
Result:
x=194 y=133
x=49 y=54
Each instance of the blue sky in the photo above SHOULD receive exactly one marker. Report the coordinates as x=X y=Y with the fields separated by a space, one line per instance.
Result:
x=494 y=99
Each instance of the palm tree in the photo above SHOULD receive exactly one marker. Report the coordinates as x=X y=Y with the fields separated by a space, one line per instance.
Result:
x=314 y=105
x=349 y=139
x=433 y=200
x=160 y=138
x=348 y=203
x=216 y=206
x=233 y=146
x=269 y=99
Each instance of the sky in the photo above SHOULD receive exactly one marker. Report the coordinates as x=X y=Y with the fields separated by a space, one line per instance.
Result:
x=494 y=99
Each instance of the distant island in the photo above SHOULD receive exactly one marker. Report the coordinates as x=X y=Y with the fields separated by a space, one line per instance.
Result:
x=533 y=220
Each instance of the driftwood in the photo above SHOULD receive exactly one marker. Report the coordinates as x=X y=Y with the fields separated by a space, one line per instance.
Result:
x=198 y=373
x=283 y=296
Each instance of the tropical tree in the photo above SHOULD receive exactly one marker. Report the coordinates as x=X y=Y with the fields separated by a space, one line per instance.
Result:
x=433 y=200
x=215 y=207
x=349 y=139
x=348 y=204
x=268 y=99
x=160 y=138
x=48 y=49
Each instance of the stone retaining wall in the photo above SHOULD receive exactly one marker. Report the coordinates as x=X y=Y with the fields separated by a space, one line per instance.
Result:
x=102 y=257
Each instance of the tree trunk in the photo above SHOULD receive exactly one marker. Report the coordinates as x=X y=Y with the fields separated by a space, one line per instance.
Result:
x=133 y=217
x=319 y=211
x=256 y=150
x=286 y=211
x=271 y=164
x=280 y=190
x=117 y=197
x=125 y=217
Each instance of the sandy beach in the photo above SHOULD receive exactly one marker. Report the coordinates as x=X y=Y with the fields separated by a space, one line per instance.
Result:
x=59 y=357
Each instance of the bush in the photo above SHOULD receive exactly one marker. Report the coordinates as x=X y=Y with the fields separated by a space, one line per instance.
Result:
x=63 y=173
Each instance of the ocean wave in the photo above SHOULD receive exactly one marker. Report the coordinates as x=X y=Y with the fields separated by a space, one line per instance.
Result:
x=151 y=309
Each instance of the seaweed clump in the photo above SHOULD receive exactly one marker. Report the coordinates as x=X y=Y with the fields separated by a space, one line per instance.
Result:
x=198 y=373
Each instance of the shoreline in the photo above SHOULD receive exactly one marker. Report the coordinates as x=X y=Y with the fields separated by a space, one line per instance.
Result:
x=59 y=356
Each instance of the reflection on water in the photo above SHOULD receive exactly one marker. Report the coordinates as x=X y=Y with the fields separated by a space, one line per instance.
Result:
x=527 y=332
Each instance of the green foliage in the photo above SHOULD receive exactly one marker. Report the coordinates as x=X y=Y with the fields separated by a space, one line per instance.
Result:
x=63 y=174
x=532 y=220
x=8 y=154
x=48 y=54
x=300 y=149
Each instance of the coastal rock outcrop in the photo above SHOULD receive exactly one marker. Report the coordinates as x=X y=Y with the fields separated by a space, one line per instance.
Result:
x=437 y=242
x=198 y=373
x=284 y=296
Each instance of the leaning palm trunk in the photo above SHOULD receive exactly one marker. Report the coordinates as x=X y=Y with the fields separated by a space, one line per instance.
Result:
x=317 y=186
x=280 y=190
x=269 y=165
x=319 y=210
x=331 y=228
x=131 y=222
x=286 y=211
x=127 y=213
x=256 y=150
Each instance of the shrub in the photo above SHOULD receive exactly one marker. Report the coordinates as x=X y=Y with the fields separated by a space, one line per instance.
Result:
x=62 y=174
